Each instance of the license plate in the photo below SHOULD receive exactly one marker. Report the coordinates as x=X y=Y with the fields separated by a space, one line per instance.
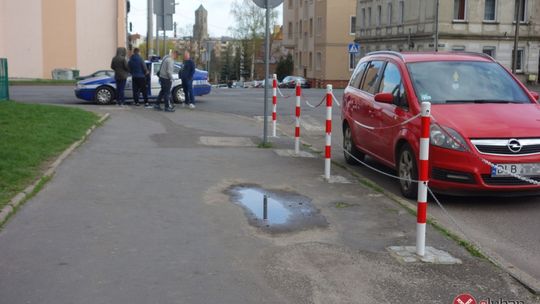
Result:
x=501 y=170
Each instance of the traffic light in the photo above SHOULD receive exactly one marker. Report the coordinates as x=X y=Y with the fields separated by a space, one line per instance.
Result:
x=128 y=6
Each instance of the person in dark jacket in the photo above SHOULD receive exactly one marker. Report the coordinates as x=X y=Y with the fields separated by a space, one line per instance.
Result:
x=186 y=74
x=120 y=67
x=138 y=71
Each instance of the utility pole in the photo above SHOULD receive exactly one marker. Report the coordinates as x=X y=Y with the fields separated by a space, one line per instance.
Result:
x=437 y=26
x=149 y=28
x=516 y=36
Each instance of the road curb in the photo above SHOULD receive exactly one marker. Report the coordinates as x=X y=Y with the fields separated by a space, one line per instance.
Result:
x=11 y=207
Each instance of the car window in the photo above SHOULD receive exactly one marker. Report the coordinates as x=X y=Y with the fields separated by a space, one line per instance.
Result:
x=371 y=80
x=392 y=83
x=156 y=68
x=176 y=69
x=357 y=75
x=464 y=82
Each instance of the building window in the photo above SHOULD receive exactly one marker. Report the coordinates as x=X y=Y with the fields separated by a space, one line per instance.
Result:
x=310 y=61
x=379 y=15
x=353 y=25
x=489 y=50
x=489 y=10
x=458 y=48
x=369 y=16
x=318 y=61
x=363 y=18
x=310 y=27
x=401 y=12
x=300 y=29
x=291 y=4
x=290 y=31
x=389 y=14
x=300 y=59
x=519 y=61
x=352 y=61
x=319 y=26
x=459 y=9
x=523 y=14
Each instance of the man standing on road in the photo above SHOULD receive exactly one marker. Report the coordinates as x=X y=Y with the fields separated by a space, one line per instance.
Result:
x=165 y=80
x=120 y=67
x=138 y=71
x=186 y=74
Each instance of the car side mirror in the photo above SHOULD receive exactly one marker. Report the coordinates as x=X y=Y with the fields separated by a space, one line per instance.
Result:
x=535 y=95
x=384 y=98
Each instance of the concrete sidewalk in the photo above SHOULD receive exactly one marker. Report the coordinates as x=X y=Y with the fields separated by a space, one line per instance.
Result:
x=141 y=213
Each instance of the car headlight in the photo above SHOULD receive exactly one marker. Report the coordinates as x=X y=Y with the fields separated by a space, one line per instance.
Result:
x=449 y=138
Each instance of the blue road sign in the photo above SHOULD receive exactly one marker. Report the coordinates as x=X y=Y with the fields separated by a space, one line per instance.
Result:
x=354 y=48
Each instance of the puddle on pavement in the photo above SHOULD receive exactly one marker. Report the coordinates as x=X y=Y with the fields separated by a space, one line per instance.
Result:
x=285 y=211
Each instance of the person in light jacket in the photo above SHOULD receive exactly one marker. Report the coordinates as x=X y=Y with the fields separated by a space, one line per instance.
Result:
x=165 y=80
x=119 y=65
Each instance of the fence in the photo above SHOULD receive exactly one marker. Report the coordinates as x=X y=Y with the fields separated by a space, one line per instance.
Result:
x=4 y=84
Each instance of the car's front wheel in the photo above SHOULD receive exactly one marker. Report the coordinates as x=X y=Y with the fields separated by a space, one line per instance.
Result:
x=408 y=172
x=104 y=95
x=178 y=95
x=352 y=155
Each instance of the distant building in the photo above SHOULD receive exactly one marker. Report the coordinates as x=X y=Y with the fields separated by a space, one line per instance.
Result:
x=200 y=28
x=38 y=36
x=486 y=26
x=317 y=34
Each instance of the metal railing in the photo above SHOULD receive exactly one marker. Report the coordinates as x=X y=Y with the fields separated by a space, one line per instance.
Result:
x=4 y=83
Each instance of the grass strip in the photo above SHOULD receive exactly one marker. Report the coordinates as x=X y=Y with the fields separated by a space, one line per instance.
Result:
x=31 y=136
x=38 y=82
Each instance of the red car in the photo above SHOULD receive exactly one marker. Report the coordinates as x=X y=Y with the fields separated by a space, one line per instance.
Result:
x=485 y=132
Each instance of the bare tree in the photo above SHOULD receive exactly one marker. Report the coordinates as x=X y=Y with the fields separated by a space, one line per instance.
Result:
x=249 y=25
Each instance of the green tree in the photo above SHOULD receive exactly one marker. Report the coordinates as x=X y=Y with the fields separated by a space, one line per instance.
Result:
x=284 y=67
x=250 y=26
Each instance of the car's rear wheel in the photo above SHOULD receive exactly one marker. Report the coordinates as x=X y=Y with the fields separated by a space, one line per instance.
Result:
x=408 y=172
x=350 y=152
x=104 y=95
x=178 y=95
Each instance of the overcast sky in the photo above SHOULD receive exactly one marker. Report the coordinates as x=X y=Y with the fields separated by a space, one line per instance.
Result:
x=219 y=18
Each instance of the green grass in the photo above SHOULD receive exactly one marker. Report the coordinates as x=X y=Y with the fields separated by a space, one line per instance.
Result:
x=42 y=82
x=32 y=135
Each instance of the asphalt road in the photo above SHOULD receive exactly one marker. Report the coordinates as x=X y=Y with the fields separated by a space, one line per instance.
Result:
x=507 y=228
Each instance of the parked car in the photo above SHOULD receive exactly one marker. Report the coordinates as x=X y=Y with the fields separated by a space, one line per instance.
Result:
x=480 y=112
x=102 y=89
x=99 y=73
x=290 y=82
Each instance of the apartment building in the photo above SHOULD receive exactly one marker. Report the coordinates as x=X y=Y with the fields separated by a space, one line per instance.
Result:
x=317 y=33
x=38 y=36
x=486 y=26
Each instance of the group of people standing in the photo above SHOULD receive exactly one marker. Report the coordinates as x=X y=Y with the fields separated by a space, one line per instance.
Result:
x=140 y=78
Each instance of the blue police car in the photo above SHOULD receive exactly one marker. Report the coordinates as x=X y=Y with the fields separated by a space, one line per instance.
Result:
x=102 y=89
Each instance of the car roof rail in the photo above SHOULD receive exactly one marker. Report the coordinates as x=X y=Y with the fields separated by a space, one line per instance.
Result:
x=484 y=55
x=394 y=53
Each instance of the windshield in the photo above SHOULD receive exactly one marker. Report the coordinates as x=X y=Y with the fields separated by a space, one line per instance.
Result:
x=464 y=82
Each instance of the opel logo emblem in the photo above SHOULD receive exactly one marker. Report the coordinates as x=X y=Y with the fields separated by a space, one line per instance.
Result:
x=514 y=145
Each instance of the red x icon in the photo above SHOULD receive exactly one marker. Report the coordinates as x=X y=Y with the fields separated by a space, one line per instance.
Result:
x=464 y=299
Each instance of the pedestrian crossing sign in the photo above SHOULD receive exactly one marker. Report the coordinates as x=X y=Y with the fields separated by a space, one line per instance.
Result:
x=354 y=48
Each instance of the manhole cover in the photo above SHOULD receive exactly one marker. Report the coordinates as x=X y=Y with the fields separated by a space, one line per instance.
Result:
x=281 y=211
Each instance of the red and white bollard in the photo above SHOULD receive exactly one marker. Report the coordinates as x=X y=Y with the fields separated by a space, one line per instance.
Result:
x=274 y=105
x=423 y=177
x=328 y=147
x=297 y=126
